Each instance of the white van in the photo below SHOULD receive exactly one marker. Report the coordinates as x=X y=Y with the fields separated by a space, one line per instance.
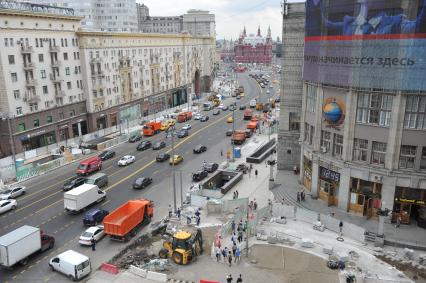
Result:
x=73 y=264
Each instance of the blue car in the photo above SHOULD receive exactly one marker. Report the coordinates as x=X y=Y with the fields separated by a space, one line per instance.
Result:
x=94 y=216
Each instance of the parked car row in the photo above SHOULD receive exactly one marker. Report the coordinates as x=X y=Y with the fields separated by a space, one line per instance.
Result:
x=205 y=170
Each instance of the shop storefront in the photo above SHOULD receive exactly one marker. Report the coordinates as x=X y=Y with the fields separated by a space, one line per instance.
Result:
x=101 y=122
x=37 y=139
x=79 y=128
x=63 y=132
x=365 y=197
x=409 y=205
x=307 y=173
x=329 y=182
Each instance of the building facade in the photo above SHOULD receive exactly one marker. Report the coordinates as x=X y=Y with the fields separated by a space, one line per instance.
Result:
x=59 y=82
x=291 y=85
x=364 y=125
x=166 y=25
x=253 y=48
x=199 y=23
x=103 y=15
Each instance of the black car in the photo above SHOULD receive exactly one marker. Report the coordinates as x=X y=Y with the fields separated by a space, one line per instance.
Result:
x=183 y=133
x=216 y=112
x=162 y=157
x=73 y=183
x=242 y=167
x=277 y=100
x=200 y=148
x=228 y=133
x=135 y=138
x=204 y=118
x=199 y=175
x=210 y=167
x=94 y=216
x=141 y=183
x=224 y=108
x=242 y=107
x=159 y=145
x=107 y=154
x=144 y=145
x=232 y=108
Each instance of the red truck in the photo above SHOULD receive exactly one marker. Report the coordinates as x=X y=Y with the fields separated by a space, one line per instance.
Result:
x=184 y=116
x=248 y=113
x=238 y=137
x=252 y=125
x=151 y=128
x=89 y=165
x=123 y=223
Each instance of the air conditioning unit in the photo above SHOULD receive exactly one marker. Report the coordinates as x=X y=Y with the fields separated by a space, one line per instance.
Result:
x=378 y=178
x=323 y=149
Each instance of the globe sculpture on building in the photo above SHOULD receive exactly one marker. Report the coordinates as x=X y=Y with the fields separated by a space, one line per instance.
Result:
x=333 y=113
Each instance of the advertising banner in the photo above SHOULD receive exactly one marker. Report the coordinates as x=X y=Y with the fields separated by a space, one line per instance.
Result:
x=377 y=44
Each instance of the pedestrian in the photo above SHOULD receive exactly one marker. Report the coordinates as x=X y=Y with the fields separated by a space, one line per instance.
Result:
x=238 y=255
x=170 y=211
x=341 y=227
x=240 y=236
x=229 y=278
x=270 y=205
x=221 y=152
x=398 y=221
x=197 y=213
x=234 y=195
x=217 y=254
x=198 y=218
x=234 y=248
x=93 y=242
x=225 y=253
x=255 y=205
x=230 y=259
x=233 y=226
x=237 y=193
x=233 y=238
x=178 y=213
x=298 y=196
x=251 y=205
x=255 y=173
x=240 y=279
x=249 y=171
x=188 y=219
x=303 y=195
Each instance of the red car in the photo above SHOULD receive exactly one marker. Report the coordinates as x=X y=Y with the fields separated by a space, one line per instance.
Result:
x=89 y=166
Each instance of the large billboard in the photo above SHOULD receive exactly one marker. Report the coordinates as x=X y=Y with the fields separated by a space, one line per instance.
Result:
x=377 y=44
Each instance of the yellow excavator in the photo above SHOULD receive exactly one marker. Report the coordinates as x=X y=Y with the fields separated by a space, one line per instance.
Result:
x=183 y=246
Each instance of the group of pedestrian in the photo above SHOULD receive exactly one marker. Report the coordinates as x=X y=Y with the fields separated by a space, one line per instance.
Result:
x=229 y=279
x=253 y=205
x=235 y=195
x=301 y=196
x=228 y=255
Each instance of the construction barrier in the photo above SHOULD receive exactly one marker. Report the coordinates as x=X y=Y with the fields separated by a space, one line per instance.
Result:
x=109 y=268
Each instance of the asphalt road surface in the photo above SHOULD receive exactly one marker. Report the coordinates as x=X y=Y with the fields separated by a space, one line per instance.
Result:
x=42 y=205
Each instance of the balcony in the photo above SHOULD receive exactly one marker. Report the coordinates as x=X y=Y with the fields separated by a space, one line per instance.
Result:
x=54 y=49
x=56 y=78
x=31 y=83
x=29 y=66
x=59 y=93
x=27 y=49
x=56 y=64
x=32 y=98
x=100 y=74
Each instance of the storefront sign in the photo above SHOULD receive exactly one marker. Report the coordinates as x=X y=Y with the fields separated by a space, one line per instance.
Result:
x=328 y=174
x=36 y=133
x=413 y=201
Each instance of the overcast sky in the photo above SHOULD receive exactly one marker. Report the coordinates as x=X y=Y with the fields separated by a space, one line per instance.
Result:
x=231 y=15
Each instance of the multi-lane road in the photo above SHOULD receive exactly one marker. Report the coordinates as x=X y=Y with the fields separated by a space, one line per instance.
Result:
x=42 y=205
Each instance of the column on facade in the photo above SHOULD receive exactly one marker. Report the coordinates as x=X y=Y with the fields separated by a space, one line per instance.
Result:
x=317 y=141
x=395 y=132
x=349 y=125
x=301 y=127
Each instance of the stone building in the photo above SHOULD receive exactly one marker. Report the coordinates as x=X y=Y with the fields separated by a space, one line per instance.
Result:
x=253 y=48
x=291 y=85
x=58 y=82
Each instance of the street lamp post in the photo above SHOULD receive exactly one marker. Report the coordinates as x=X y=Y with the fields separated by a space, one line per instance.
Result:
x=233 y=133
x=12 y=144
x=173 y=168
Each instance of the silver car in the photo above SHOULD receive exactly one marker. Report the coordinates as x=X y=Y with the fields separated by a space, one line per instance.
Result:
x=12 y=192
x=6 y=205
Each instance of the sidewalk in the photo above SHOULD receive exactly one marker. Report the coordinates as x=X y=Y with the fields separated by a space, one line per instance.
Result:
x=409 y=235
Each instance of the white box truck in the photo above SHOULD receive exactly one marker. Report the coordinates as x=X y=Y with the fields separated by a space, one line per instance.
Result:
x=81 y=197
x=253 y=103
x=19 y=244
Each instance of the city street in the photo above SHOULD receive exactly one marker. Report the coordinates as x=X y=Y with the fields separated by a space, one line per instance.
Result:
x=42 y=206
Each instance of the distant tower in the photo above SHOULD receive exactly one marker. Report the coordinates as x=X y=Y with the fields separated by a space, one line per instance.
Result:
x=269 y=32
x=258 y=32
x=244 y=32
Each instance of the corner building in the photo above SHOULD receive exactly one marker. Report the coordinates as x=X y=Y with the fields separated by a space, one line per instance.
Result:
x=363 y=127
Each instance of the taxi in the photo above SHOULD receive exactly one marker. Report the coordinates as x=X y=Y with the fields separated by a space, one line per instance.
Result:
x=229 y=120
x=176 y=159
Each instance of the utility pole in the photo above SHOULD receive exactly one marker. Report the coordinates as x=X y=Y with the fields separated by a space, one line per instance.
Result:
x=12 y=144
x=173 y=168
x=181 y=189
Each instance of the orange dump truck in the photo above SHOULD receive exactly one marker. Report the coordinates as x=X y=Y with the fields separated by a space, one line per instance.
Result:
x=184 y=116
x=252 y=125
x=248 y=113
x=151 y=128
x=123 y=223
x=238 y=137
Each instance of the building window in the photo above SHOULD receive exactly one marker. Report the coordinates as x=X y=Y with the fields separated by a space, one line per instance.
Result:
x=67 y=71
x=65 y=56
x=374 y=109
x=49 y=119
x=360 y=150
x=407 y=156
x=378 y=153
x=43 y=74
x=40 y=58
x=337 y=145
x=36 y=123
x=33 y=107
x=415 y=112
x=72 y=113
x=311 y=98
x=18 y=110
x=309 y=132
x=61 y=115
x=16 y=94
x=423 y=159
x=325 y=141
x=69 y=85
x=14 y=77
x=21 y=127
x=11 y=60
x=45 y=89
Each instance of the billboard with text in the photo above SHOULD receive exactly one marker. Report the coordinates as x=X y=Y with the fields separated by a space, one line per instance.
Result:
x=366 y=43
